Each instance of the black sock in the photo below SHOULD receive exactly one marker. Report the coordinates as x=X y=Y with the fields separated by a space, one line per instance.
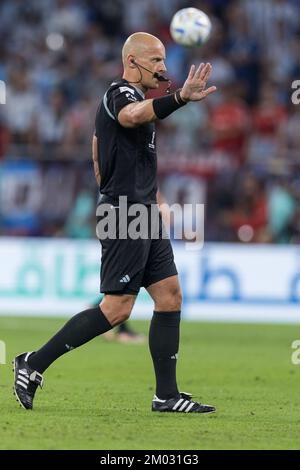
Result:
x=77 y=331
x=164 y=345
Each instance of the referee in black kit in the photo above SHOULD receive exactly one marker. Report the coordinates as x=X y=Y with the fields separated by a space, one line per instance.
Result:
x=125 y=165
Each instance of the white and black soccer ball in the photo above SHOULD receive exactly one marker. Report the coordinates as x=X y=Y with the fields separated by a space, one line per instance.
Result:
x=190 y=27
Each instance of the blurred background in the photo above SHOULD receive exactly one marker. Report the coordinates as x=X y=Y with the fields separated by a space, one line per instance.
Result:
x=238 y=152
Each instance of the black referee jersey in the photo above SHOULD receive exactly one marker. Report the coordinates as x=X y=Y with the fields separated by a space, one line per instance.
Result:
x=126 y=156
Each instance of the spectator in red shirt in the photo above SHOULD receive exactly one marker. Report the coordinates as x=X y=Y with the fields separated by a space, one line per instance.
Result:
x=229 y=124
x=269 y=114
x=249 y=217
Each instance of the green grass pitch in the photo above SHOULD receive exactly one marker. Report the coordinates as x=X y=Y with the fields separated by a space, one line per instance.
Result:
x=99 y=396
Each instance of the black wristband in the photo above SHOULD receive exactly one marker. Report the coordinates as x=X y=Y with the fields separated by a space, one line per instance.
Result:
x=166 y=105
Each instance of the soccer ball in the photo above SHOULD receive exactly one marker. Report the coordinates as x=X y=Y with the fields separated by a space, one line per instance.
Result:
x=190 y=27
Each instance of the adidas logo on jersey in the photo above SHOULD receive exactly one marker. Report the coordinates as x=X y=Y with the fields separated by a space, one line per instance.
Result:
x=125 y=278
x=130 y=97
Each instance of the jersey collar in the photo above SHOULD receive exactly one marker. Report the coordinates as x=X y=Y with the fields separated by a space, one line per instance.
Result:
x=136 y=88
x=139 y=91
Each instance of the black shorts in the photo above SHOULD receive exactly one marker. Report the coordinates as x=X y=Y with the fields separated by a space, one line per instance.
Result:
x=129 y=264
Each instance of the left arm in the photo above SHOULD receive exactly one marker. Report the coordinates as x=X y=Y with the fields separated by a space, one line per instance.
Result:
x=95 y=160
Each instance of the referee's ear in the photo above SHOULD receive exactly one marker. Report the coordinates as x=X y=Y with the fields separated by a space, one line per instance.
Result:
x=131 y=62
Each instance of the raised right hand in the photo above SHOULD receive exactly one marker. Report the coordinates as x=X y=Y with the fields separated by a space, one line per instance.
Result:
x=194 y=88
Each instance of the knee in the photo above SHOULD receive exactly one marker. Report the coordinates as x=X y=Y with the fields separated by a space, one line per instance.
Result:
x=171 y=301
x=122 y=316
x=116 y=313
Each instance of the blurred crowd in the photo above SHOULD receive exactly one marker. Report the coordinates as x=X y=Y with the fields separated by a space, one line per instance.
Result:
x=238 y=152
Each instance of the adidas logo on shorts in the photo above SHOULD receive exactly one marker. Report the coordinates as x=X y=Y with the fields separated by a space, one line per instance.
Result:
x=125 y=278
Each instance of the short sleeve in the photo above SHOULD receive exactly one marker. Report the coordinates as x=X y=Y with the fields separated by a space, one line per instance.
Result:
x=121 y=97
